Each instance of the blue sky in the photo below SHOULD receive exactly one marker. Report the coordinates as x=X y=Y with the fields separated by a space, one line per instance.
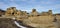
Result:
x=28 y=5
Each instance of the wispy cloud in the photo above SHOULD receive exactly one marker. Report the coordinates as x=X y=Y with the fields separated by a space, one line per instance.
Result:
x=27 y=5
x=3 y=5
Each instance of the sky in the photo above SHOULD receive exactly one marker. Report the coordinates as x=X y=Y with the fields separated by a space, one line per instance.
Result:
x=28 y=5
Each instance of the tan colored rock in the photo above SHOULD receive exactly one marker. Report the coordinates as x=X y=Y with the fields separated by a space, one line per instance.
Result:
x=34 y=12
x=25 y=13
x=10 y=11
x=44 y=14
x=18 y=13
x=50 y=12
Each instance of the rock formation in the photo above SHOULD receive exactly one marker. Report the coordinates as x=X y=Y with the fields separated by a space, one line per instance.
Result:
x=50 y=12
x=34 y=18
x=34 y=13
x=10 y=11
x=47 y=13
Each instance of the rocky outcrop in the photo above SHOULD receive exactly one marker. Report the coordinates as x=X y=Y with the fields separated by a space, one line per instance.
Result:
x=35 y=19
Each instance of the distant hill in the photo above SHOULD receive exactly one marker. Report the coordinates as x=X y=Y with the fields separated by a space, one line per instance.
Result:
x=2 y=10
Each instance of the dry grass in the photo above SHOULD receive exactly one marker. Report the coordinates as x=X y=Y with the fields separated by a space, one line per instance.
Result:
x=40 y=21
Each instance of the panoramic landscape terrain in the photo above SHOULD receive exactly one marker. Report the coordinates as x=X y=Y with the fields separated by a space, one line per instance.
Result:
x=13 y=18
x=29 y=13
